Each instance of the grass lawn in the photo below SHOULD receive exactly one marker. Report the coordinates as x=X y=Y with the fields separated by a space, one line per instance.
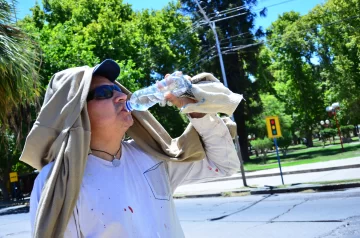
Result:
x=299 y=154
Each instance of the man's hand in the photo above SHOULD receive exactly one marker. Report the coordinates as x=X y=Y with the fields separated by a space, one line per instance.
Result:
x=180 y=102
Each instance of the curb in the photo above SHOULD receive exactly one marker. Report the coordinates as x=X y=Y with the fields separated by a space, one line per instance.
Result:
x=208 y=195
x=15 y=210
x=317 y=188
x=353 y=166
x=274 y=190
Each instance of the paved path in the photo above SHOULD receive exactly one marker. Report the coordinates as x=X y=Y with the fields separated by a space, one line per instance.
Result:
x=231 y=185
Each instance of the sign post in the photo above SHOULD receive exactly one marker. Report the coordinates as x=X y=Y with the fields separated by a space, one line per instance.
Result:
x=274 y=132
x=13 y=179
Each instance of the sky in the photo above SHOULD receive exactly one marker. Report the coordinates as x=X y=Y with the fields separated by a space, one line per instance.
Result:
x=302 y=6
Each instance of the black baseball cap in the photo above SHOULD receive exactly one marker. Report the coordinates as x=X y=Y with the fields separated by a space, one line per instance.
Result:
x=108 y=69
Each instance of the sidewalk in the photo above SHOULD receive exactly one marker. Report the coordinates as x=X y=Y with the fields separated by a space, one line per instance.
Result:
x=345 y=169
x=300 y=169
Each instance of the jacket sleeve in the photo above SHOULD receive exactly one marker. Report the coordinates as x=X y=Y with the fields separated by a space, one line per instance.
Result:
x=72 y=228
x=221 y=158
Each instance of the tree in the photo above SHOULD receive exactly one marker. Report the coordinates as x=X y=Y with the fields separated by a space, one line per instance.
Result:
x=298 y=82
x=271 y=107
x=239 y=65
x=18 y=65
x=146 y=43
x=19 y=89
x=337 y=38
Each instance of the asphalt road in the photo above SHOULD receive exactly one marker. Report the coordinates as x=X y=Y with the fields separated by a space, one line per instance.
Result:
x=318 y=215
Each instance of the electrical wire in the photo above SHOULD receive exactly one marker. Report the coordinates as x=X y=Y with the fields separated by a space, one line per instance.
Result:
x=257 y=10
x=241 y=47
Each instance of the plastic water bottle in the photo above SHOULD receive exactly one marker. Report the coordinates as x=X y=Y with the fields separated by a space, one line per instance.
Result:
x=143 y=99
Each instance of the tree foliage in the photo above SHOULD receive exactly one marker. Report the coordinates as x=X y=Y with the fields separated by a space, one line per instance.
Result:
x=271 y=107
x=19 y=89
x=285 y=141
x=311 y=61
x=18 y=67
x=307 y=63
x=262 y=146
x=239 y=65
x=146 y=44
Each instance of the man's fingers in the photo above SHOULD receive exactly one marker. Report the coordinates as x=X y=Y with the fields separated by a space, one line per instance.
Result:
x=174 y=100
x=178 y=102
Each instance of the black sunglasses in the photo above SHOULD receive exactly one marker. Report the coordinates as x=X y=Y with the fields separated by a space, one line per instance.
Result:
x=103 y=92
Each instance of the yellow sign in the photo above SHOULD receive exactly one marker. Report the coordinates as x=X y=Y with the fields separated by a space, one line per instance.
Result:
x=273 y=127
x=13 y=177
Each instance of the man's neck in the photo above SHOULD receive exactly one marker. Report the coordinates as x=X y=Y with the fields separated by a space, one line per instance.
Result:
x=108 y=142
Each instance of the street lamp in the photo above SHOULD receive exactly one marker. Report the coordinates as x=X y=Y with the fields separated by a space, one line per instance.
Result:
x=332 y=111
x=325 y=123
x=251 y=137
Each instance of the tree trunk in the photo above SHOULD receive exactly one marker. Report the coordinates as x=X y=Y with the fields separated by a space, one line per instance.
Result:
x=237 y=83
x=355 y=130
x=309 y=141
x=241 y=130
x=295 y=139
x=5 y=177
x=4 y=190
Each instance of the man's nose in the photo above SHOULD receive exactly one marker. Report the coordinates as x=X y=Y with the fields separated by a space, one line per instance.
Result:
x=119 y=96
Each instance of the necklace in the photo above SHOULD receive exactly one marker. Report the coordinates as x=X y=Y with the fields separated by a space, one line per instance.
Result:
x=115 y=162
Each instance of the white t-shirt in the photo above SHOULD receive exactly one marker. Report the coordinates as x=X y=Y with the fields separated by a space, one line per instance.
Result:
x=135 y=199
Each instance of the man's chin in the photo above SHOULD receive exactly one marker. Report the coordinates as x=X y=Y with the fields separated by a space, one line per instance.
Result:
x=128 y=121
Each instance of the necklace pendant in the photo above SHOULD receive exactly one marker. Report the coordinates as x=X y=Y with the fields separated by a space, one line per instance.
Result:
x=116 y=162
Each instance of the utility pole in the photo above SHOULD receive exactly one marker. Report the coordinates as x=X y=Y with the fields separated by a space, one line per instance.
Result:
x=213 y=28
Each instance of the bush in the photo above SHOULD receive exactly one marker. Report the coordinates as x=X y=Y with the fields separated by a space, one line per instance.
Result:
x=345 y=130
x=262 y=146
x=284 y=142
x=327 y=134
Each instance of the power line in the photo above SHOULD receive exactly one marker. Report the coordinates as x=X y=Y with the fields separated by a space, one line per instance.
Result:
x=239 y=40
x=241 y=34
x=228 y=12
x=224 y=18
x=201 y=22
x=236 y=48
x=232 y=10
x=203 y=60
